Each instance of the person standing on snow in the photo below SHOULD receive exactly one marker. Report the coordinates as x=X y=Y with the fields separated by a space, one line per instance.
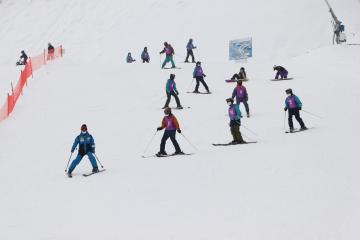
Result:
x=169 y=52
x=129 y=58
x=86 y=147
x=145 y=57
x=23 y=58
x=235 y=115
x=172 y=91
x=171 y=125
x=241 y=75
x=199 y=75
x=189 y=47
x=241 y=95
x=51 y=52
x=281 y=71
x=293 y=104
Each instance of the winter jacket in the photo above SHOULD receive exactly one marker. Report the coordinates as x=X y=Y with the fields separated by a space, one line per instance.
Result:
x=190 y=46
x=170 y=123
x=86 y=143
x=292 y=102
x=129 y=59
x=234 y=112
x=198 y=72
x=240 y=93
x=171 y=86
x=280 y=69
x=168 y=50
x=145 y=56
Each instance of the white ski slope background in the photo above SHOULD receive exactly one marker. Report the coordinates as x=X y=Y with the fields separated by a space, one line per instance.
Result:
x=287 y=186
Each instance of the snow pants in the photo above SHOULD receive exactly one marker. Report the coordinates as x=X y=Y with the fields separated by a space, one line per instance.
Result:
x=172 y=93
x=235 y=130
x=282 y=74
x=168 y=59
x=190 y=53
x=295 y=112
x=78 y=159
x=201 y=80
x=246 y=105
x=169 y=134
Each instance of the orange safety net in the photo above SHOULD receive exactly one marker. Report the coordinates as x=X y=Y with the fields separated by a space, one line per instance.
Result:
x=32 y=65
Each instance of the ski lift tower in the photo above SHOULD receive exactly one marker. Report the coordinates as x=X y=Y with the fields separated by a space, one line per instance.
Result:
x=339 y=29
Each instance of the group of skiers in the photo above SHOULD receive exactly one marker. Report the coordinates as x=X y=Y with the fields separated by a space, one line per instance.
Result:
x=170 y=124
x=24 y=58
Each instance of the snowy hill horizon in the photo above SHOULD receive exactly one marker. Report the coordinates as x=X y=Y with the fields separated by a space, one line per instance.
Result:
x=286 y=186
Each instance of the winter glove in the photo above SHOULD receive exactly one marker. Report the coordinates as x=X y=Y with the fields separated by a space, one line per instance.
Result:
x=204 y=75
x=72 y=150
x=159 y=129
x=285 y=109
x=177 y=93
x=299 y=108
x=179 y=131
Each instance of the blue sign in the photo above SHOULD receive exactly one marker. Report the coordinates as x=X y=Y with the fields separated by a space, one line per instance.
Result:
x=240 y=49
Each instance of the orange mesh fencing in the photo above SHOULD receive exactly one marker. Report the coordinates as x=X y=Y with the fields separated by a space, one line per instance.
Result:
x=32 y=65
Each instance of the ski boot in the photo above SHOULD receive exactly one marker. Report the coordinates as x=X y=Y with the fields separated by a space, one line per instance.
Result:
x=303 y=128
x=160 y=153
x=179 y=153
x=95 y=170
x=69 y=174
x=292 y=130
x=179 y=107
x=195 y=91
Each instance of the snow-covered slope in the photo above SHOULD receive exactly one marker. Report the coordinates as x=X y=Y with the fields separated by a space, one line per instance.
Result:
x=300 y=186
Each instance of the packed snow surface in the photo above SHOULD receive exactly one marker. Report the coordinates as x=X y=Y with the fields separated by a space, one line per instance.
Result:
x=287 y=186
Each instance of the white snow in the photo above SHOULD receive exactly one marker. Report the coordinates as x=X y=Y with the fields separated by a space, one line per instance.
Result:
x=298 y=186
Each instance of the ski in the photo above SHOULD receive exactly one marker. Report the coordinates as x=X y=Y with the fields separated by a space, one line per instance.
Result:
x=171 y=68
x=231 y=144
x=92 y=173
x=200 y=92
x=298 y=130
x=172 y=155
x=281 y=79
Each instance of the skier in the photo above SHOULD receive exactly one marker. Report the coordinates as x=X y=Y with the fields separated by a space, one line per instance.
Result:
x=241 y=95
x=129 y=58
x=172 y=91
x=23 y=58
x=171 y=125
x=293 y=104
x=145 y=55
x=235 y=115
x=189 y=47
x=241 y=75
x=86 y=147
x=51 y=52
x=169 y=52
x=199 y=75
x=281 y=71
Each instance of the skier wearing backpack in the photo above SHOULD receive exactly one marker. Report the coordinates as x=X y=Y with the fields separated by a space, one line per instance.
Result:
x=235 y=115
x=171 y=126
x=169 y=52
x=241 y=95
x=293 y=105
x=86 y=147
x=281 y=71
x=145 y=57
x=172 y=91
x=189 y=48
x=199 y=75
x=241 y=75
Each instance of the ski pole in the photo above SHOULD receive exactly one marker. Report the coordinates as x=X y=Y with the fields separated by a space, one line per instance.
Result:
x=314 y=115
x=190 y=85
x=249 y=130
x=68 y=162
x=189 y=142
x=151 y=140
x=160 y=60
x=98 y=161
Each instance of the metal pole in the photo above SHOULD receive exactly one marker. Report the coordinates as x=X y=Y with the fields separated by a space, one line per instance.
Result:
x=67 y=165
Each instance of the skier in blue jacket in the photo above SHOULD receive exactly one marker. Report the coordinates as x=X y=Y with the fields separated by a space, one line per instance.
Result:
x=293 y=105
x=172 y=91
x=86 y=147
x=235 y=122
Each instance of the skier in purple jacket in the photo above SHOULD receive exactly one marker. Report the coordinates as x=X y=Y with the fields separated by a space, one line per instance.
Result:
x=281 y=71
x=199 y=75
x=293 y=104
x=241 y=95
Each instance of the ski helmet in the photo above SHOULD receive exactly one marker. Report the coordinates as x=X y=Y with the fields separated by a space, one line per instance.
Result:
x=239 y=82
x=165 y=43
x=84 y=128
x=289 y=91
x=172 y=76
x=198 y=63
x=230 y=100
x=167 y=110
x=274 y=67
